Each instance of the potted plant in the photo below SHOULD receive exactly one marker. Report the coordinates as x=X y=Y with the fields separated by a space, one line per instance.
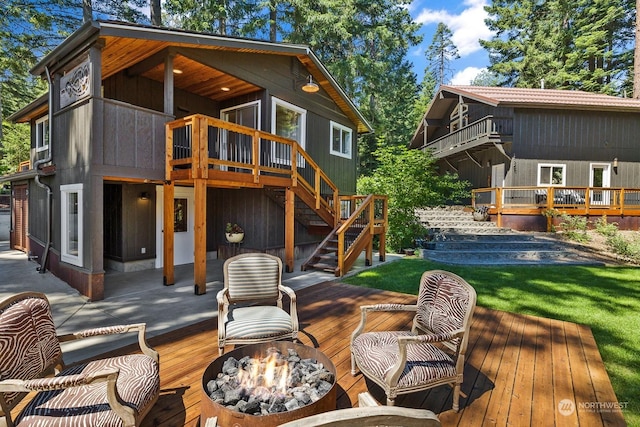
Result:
x=480 y=213
x=234 y=233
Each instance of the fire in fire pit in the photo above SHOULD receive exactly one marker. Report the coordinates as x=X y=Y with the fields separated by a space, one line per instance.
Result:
x=276 y=383
x=268 y=384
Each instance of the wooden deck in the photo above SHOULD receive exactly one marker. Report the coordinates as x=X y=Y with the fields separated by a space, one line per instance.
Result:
x=519 y=368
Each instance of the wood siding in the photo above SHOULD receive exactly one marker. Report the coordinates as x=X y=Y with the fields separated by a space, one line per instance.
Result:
x=573 y=138
x=133 y=141
x=261 y=217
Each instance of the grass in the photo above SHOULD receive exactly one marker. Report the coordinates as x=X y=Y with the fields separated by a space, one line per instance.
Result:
x=605 y=298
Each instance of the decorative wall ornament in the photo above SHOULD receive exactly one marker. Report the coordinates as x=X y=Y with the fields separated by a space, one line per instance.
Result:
x=76 y=84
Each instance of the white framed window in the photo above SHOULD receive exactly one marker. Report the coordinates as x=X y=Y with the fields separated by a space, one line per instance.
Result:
x=552 y=174
x=341 y=140
x=289 y=121
x=71 y=223
x=42 y=134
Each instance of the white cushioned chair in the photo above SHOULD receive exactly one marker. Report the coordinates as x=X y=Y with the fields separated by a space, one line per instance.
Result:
x=429 y=355
x=117 y=391
x=250 y=305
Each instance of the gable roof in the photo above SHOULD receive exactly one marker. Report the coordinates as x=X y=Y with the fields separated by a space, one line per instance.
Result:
x=124 y=44
x=448 y=96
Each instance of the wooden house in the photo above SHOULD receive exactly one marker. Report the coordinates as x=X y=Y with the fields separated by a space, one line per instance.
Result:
x=525 y=150
x=150 y=140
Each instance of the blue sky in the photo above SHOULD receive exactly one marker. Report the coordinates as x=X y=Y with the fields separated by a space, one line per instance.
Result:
x=465 y=19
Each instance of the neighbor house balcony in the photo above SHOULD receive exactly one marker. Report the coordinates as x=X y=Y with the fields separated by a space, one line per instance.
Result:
x=479 y=135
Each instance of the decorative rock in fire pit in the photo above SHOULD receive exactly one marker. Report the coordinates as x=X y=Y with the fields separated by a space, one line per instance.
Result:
x=267 y=384
x=276 y=383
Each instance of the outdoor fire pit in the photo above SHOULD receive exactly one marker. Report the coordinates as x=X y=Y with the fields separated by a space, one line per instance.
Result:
x=244 y=405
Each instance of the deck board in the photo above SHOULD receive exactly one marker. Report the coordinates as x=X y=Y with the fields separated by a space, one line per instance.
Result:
x=518 y=367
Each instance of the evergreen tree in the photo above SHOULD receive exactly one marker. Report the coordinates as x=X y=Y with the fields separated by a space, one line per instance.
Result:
x=441 y=52
x=580 y=44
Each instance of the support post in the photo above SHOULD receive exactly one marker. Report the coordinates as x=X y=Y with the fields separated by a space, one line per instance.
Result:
x=168 y=236
x=289 y=230
x=200 y=237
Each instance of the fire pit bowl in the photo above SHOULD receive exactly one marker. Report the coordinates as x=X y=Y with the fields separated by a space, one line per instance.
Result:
x=231 y=418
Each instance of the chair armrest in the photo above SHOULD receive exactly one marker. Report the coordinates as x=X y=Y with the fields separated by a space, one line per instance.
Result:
x=293 y=312
x=364 y=309
x=56 y=383
x=429 y=338
x=110 y=376
x=395 y=371
x=112 y=330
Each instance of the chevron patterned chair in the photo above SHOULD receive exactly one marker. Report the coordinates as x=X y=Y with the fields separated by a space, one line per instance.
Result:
x=117 y=391
x=250 y=304
x=429 y=355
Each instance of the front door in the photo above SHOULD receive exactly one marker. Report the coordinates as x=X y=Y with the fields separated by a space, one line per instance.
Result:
x=184 y=222
x=600 y=177
x=497 y=179
x=19 y=218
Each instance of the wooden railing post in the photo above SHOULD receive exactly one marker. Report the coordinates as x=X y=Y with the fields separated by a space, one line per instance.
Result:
x=499 y=206
x=255 y=152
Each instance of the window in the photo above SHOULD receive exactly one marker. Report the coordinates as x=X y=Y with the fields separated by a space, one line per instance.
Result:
x=340 y=140
x=289 y=121
x=42 y=134
x=551 y=174
x=71 y=227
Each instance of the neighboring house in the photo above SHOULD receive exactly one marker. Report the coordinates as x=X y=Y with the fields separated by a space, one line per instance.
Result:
x=531 y=146
x=116 y=148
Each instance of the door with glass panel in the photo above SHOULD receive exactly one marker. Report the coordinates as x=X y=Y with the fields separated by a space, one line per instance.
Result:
x=234 y=146
x=600 y=177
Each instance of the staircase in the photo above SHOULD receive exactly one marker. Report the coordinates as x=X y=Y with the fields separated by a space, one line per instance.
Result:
x=456 y=219
x=460 y=240
x=342 y=246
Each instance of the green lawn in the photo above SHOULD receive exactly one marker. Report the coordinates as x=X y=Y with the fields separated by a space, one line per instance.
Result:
x=605 y=298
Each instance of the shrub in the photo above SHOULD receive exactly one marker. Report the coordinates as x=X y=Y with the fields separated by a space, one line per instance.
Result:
x=605 y=228
x=575 y=228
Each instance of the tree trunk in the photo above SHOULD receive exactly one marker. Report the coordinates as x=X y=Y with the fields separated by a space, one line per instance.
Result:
x=273 y=16
x=636 y=56
x=156 y=13
x=87 y=11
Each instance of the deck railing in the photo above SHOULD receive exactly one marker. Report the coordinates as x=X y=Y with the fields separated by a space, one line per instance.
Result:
x=205 y=147
x=591 y=201
x=472 y=133
x=362 y=217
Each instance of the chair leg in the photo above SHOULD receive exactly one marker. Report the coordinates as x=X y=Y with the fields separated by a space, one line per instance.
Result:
x=456 y=397
x=390 y=401
x=354 y=367
x=220 y=351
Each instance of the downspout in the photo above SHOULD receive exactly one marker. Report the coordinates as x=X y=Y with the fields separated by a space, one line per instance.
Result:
x=42 y=269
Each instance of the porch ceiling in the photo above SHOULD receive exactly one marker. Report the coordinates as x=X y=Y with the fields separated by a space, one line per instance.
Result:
x=125 y=53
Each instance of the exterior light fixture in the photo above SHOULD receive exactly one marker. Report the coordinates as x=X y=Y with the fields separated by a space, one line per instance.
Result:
x=225 y=89
x=615 y=163
x=177 y=71
x=144 y=196
x=310 y=86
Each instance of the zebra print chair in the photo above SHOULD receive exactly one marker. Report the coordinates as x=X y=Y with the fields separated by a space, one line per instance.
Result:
x=429 y=355
x=117 y=391
x=250 y=305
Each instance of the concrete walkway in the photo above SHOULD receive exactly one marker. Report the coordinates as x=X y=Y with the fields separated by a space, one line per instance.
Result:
x=136 y=297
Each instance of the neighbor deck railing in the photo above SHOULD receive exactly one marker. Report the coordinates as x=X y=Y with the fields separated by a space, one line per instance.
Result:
x=589 y=201
x=476 y=132
x=233 y=155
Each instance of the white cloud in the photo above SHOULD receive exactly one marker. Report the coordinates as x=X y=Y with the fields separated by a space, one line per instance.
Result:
x=467 y=27
x=465 y=76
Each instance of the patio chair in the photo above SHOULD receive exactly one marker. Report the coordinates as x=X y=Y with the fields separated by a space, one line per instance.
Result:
x=429 y=355
x=250 y=305
x=117 y=391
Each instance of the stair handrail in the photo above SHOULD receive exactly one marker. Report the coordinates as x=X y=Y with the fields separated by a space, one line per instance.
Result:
x=347 y=256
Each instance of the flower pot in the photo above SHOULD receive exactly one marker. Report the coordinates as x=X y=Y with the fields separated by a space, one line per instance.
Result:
x=479 y=216
x=234 y=237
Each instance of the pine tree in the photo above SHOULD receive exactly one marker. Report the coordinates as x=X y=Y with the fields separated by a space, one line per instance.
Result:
x=441 y=52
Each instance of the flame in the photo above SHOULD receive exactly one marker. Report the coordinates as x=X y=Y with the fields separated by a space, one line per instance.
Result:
x=268 y=376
